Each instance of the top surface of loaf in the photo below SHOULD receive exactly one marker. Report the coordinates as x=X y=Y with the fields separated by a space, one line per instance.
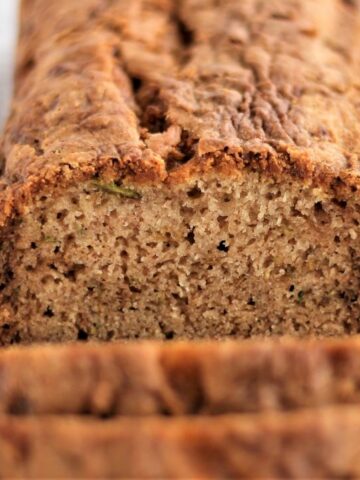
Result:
x=159 y=90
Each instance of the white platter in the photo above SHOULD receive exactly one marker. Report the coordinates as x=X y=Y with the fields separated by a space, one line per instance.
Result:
x=8 y=24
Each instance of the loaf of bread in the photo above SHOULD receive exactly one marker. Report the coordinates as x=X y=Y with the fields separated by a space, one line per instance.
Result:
x=311 y=444
x=152 y=410
x=178 y=379
x=182 y=169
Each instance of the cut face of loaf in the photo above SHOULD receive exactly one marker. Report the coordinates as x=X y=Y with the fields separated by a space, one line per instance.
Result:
x=182 y=170
x=210 y=259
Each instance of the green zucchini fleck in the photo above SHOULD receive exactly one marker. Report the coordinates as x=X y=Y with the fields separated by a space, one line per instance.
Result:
x=300 y=297
x=81 y=231
x=117 y=190
x=49 y=239
x=15 y=292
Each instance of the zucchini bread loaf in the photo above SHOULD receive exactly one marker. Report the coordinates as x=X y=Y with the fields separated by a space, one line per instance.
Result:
x=308 y=444
x=180 y=410
x=182 y=168
x=178 y=379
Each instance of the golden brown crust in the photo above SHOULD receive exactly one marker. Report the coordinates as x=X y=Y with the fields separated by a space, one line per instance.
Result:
x=179 y=378
x=163 y=90
x=307 y=444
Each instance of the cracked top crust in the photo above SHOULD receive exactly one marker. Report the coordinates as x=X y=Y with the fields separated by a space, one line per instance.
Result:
x=160 y=90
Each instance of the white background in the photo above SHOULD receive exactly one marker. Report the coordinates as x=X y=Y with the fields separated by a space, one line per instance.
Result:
x=8 y=23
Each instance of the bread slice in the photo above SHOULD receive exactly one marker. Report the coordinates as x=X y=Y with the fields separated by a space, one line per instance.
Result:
x=182 y=169
x=178 y=379
x=308 y=444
